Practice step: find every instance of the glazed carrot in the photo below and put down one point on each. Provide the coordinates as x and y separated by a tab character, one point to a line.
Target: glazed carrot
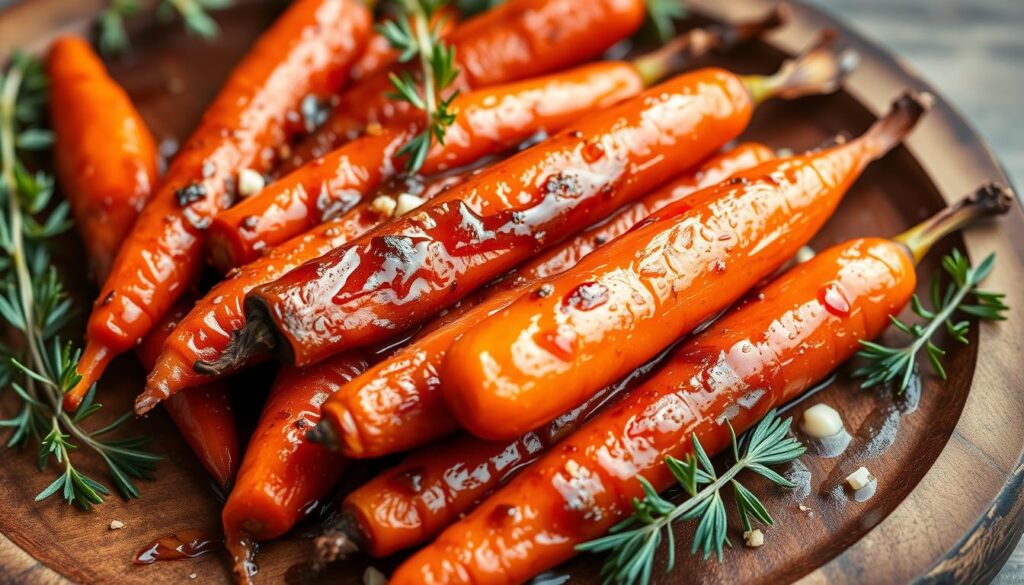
106	160
410	503
203	414
105	157
282	475
567	254
400	274
205	331
760	355
517	40
397	404
578	331
307	51
487	121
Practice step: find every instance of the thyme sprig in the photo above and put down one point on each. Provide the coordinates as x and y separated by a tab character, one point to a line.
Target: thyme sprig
114	39
662	14
889	363
633	543
34	303
413	36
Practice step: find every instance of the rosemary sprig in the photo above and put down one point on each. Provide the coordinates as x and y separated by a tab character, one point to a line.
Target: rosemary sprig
887	363
33	302
633	543
114	39
412	35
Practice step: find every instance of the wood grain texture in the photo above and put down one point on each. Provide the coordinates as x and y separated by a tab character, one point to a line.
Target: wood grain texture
955	441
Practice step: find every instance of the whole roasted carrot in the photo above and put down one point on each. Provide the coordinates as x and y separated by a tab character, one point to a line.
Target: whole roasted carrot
106	160
369	290
762	354
307	51
283	476
105	157
578	331
517	40
205	332
397	404
568	253
203	414
487	121
435	485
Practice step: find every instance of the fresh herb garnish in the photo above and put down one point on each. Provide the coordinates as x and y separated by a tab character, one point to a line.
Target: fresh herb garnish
414	38
114	39
662	14
887	363
33	302
633	543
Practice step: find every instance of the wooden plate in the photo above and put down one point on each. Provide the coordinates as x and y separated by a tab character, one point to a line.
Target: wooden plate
948	456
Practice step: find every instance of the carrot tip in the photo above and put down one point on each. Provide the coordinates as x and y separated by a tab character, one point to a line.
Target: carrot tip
339	541
91	365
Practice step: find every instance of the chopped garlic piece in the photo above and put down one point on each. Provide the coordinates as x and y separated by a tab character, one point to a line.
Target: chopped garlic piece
384	205
250	182
116	525
804	254
821	420
373	576
859	478
754	538
406	203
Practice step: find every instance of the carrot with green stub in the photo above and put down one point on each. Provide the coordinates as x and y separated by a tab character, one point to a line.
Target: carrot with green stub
397	404
371	289
307	51
574	333
763	353
486	122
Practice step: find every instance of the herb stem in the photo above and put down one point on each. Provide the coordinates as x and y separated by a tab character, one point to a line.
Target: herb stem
423	38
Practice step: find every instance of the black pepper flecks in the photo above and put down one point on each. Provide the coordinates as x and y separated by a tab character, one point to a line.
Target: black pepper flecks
190	193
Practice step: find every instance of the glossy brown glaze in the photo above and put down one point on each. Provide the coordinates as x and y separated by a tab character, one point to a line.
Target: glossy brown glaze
369	290
517	40
283	476
397	404
308	50
675	269
205	331
487	122
771	349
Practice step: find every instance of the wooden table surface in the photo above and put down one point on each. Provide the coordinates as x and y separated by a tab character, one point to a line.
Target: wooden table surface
973	52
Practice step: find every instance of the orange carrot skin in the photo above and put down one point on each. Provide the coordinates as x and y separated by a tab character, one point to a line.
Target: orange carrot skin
397	404
761	355
518	40
203	414
308	50
565	255
427	260
609	314
488	121
412	502
205	331
105	157
283	475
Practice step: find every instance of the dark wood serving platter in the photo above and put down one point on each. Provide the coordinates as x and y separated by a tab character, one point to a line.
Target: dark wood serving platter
948	456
